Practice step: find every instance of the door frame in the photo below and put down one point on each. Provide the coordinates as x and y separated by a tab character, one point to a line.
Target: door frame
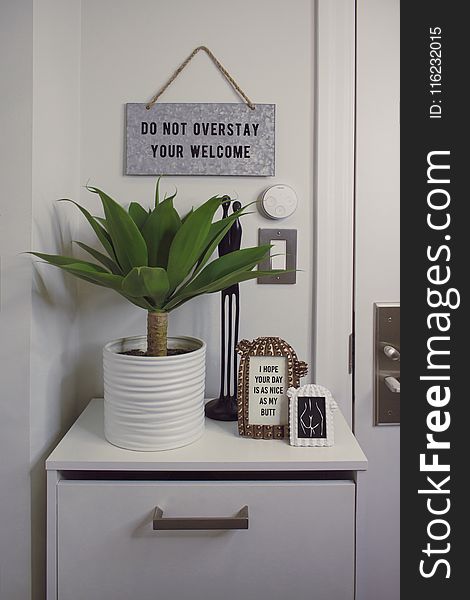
335	80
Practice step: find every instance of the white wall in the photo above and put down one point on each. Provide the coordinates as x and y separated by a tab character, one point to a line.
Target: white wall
129	49
377	280
39	57
56	174
15	295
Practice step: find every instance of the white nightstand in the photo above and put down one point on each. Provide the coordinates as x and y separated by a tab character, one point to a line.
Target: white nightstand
301	505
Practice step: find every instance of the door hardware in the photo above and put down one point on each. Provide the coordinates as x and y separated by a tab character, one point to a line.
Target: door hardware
393	384
391	352
387	364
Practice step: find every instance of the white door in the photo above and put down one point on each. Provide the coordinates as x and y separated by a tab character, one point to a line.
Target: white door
357	139
376	280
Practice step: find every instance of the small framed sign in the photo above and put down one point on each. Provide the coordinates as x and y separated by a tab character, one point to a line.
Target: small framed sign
268	366
310	416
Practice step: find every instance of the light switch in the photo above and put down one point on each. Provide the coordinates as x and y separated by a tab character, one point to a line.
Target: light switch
278	254
284	242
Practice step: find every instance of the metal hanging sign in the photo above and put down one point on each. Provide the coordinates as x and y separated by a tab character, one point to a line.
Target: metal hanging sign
200	139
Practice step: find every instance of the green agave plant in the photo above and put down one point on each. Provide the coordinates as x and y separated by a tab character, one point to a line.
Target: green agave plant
158	260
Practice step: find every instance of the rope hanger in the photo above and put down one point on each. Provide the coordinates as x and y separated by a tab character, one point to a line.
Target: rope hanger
221	68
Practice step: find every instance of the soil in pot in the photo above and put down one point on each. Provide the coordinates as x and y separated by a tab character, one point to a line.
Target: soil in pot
170	352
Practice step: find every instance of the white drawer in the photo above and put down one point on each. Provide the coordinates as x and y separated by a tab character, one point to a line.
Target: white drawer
300	541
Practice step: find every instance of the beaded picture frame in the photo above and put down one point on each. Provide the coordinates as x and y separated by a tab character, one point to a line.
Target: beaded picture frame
268	366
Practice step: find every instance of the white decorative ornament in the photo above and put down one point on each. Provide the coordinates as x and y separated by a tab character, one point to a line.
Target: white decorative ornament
278	202
310	416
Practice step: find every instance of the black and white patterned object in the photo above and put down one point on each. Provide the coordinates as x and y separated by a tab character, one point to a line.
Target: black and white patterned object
310	416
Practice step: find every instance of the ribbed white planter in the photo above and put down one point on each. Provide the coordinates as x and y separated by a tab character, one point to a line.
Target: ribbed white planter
153	403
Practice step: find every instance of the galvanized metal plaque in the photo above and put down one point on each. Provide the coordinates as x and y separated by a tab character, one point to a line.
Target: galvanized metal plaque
200	139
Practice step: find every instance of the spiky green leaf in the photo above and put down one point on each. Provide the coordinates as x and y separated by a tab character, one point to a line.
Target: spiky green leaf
157	192
159	231
138	214
129	245
217	286
102	221
59	260
100	231
102	258
149	282
229	263
92	273
107	280
187	215
82	268
190	242
217	232
140	302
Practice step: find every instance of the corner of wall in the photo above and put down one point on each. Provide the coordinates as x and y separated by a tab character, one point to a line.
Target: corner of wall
55	175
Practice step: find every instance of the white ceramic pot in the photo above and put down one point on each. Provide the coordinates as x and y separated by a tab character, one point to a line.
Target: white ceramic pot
153	403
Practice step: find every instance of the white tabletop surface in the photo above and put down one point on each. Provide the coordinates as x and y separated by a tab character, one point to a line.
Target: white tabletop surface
84	447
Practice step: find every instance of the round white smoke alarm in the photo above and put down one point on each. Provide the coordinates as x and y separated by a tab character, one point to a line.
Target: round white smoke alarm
278	202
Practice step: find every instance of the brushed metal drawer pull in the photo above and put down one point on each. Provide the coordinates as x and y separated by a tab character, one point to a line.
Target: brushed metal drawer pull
239	521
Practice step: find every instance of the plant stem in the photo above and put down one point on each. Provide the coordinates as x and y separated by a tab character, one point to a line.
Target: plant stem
157	333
